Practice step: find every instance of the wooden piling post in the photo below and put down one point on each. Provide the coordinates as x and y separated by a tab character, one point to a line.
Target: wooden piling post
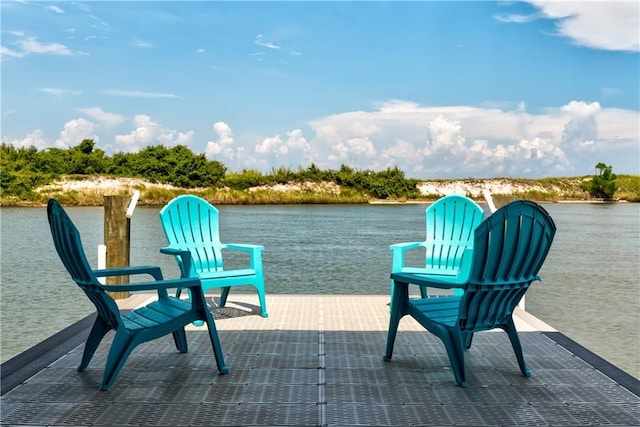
117	234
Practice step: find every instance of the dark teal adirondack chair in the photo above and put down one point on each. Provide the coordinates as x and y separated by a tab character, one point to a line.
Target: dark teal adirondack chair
167	315
450	222
508	251
190	224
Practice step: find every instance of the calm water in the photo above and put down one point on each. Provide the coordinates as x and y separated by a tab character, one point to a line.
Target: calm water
591	288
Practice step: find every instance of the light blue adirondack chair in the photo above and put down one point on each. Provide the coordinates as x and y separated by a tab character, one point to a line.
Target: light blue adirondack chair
191	225
509	249
167	315
450	222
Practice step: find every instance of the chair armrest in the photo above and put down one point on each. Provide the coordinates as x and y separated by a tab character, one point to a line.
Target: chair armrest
152	270
188	282
255	253
397	253
460	280
184	262
243	247
174	251
431	281
404	246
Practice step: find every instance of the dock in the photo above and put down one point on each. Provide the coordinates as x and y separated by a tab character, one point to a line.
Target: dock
317	361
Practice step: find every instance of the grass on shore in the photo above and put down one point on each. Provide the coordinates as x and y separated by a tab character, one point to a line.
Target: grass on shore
541	190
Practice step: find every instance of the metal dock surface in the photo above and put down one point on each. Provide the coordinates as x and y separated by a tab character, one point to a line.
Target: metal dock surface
317	361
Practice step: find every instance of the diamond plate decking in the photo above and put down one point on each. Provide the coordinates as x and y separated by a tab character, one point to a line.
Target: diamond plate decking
317	361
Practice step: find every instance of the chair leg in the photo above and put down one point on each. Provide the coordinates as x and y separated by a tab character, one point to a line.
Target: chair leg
517	347
121	347
224	295
452	340
215	344
391	292
263	301
423	292
196	323
98	331
180	338
391	339
398	300
467	337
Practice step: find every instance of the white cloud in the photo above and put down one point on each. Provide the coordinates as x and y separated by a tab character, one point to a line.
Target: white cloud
148	132
75	131
619	126
5	51
272	144
611	25
260	42
519	19
581	130
54	9
296	141
34	139
72	134
32	45
107	119
224	145
275	145
448	152
402	153
450	142
424	141
184	138
140	94
353	150
444	137
337	136
87	38
609	91
59	91
142	44
275	151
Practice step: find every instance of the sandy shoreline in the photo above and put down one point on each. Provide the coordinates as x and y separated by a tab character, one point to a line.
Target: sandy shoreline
471	187
502	190
426	202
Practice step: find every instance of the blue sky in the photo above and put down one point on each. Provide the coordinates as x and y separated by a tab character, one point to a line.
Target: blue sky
439	89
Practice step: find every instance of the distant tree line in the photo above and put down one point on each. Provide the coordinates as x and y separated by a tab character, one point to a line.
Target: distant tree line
24	169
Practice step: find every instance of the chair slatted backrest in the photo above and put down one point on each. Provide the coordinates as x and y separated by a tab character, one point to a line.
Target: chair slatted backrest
450	223
191	223
68	244
509	249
